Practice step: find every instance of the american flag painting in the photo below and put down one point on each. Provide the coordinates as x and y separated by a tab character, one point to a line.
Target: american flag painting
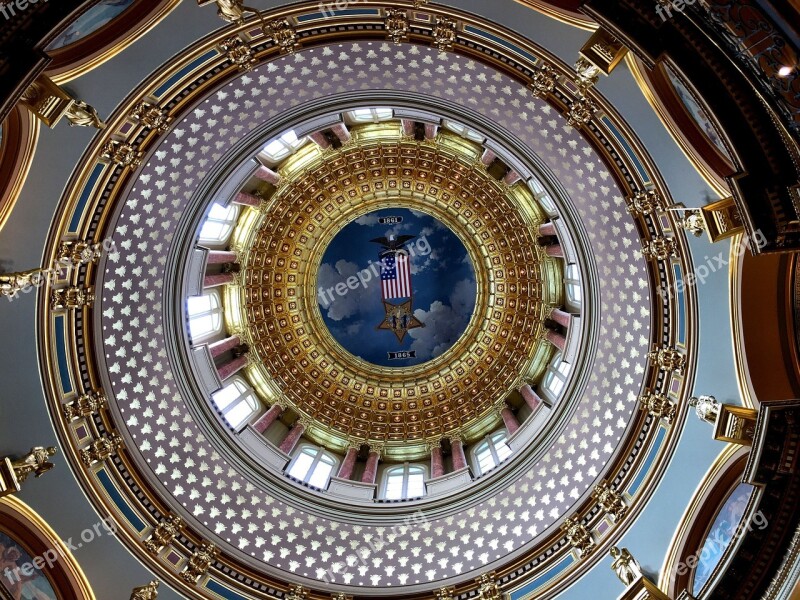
396	276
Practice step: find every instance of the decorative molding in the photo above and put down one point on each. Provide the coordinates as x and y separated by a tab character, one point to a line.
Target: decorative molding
199	562
645	202
73	297
488	589
658	406
101	449
79	252
283	34
397	25
151	116
85	405
578	536
668	359
163	534
238	52
660	248
444	34
610	500
581	112
121	154
544	81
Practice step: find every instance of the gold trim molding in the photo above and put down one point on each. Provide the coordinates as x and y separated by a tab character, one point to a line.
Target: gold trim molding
560	14
17	150
714	181
736	255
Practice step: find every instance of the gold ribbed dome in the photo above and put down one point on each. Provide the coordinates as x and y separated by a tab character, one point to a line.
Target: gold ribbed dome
344	398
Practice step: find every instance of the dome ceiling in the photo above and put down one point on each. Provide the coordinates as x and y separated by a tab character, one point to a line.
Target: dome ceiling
345	396
133	351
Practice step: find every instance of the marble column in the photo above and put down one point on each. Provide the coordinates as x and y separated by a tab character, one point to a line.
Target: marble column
556	251
244	199
509	420
488	157
555	338
217	280
560	317
222	346
531	398
342	132
346	470
291	439
437	462
268	175
459	457
547	229
221	257
320	140
230	369
431	131
408	127
371	470
512	178
268	418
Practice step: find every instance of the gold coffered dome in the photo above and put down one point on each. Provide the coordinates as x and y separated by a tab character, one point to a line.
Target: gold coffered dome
344	398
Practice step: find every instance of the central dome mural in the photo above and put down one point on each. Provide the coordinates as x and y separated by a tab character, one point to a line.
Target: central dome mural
396	287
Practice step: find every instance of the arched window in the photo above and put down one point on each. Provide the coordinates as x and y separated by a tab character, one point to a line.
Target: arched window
370	115
282	147
555	377
463	131
205	315
405	481
237	402
572	281
313	466
218	226
542	196
491	452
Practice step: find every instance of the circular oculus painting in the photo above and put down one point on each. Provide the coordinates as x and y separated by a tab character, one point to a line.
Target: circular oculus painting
396	287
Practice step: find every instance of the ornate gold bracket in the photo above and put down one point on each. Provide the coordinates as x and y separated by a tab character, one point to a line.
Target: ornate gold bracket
49	103
14	472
